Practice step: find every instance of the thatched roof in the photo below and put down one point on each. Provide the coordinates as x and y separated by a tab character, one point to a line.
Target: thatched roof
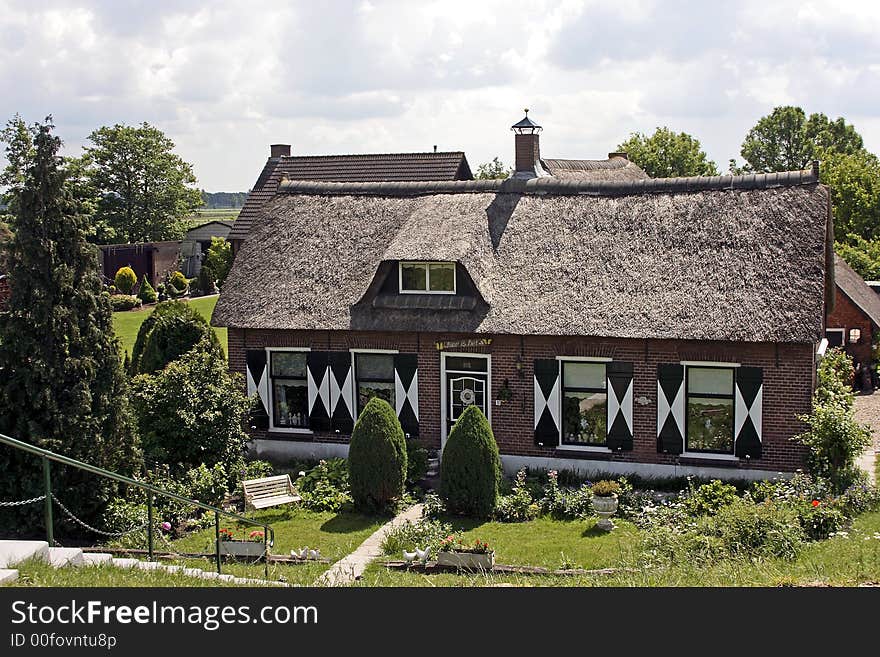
723	258
855	288
452	165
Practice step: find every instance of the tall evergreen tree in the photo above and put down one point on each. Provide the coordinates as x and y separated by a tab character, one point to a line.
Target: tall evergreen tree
62	386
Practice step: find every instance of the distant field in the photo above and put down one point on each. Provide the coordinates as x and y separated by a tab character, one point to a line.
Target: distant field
126	324
200	217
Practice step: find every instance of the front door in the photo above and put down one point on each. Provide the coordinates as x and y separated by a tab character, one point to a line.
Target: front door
466	384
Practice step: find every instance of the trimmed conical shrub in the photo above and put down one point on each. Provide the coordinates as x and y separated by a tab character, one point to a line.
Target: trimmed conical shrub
147	293
376	457
470	470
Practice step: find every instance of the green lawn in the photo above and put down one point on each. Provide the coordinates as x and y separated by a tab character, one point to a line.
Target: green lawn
39	573
126	324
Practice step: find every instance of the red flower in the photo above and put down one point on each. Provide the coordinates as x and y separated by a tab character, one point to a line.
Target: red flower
815	503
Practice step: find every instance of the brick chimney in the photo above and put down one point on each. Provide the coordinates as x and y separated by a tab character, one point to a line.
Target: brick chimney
279	150
527	148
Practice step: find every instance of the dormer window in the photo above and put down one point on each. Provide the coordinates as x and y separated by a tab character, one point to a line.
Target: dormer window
427	278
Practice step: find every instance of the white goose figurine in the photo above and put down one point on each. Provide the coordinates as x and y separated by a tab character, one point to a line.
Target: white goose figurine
409	557
314	554
423	554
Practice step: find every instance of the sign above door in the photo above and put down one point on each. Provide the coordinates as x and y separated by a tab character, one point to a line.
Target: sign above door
459	344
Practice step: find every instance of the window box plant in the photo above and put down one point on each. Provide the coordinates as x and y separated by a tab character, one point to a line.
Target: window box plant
455	553
251	547
605	502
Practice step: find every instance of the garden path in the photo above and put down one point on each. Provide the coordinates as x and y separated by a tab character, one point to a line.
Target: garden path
867	410
350	568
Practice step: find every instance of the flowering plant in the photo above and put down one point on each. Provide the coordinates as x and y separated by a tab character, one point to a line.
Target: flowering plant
226	534
453	543
256	536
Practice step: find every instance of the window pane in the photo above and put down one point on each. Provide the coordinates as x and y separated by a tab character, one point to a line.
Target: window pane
442	277
375	366
289	363
710	381
290	400
584	418
413	276
584	375
366	391
464	364
835	338
710	424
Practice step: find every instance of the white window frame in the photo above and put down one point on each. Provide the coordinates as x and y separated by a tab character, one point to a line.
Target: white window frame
354	379
272	427
427	289
843	336
444	434
709	364
563	447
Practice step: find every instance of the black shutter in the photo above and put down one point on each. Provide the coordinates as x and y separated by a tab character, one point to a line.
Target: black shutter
747	414
341	395
620	405
257	376
670	409
406	392
547	403
318	380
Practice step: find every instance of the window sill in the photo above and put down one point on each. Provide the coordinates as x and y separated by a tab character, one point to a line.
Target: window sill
708	456
583	448
306	432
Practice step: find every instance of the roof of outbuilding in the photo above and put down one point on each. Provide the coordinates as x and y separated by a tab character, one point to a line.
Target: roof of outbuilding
616	167
452	165
721	258
855	288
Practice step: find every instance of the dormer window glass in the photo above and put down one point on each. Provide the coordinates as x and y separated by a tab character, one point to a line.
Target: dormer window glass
427	278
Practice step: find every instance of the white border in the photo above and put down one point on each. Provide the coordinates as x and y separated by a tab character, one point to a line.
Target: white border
585	359
354	381
708	363
427	264
563	447
709	456
843	336
271	409
458	354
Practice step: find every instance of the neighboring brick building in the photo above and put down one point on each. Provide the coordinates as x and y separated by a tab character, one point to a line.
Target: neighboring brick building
856	315
603	321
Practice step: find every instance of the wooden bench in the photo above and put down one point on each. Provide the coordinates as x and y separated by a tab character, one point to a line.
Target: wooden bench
268	491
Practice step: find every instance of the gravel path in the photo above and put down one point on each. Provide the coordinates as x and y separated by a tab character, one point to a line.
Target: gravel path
867	410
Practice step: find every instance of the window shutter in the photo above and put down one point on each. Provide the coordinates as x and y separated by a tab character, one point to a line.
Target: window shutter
318	380
547	403
406	392
747	414
670	409
620	405
340	391
257	376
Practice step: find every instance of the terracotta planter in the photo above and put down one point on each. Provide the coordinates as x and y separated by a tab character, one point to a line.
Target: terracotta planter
242	548
466	560
605	507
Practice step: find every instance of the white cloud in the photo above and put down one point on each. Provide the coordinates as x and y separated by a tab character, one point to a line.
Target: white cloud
224	79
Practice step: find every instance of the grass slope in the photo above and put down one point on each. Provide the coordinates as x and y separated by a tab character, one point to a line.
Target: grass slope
126	324
39	573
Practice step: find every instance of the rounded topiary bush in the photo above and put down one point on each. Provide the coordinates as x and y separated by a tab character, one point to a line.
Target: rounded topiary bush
125	280
172	329
470	470
178	281
376	457
147	294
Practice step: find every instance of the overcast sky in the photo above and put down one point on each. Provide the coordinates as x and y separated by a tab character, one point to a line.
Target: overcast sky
226	79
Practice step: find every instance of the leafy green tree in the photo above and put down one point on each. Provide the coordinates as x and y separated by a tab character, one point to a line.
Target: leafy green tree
62	387
496	169
377	457
788	140
5	240
20	152
668	154
862	255
470	471
144	188
192	412
172	330
219	259
854	179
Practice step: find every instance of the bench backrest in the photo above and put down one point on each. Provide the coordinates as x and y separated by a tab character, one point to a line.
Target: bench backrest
267	486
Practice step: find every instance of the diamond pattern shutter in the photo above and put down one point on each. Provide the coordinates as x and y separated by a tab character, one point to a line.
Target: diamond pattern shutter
257	376
406	392
318	381
620	405
670	409
747	414
547	402
341	392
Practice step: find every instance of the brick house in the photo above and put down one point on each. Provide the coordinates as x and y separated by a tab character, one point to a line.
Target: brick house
603	320
856	314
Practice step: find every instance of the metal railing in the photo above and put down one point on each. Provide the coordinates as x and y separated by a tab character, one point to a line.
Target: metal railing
47	457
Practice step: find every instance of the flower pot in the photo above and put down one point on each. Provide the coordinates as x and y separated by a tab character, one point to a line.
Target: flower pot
250	549
466	560
605	507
